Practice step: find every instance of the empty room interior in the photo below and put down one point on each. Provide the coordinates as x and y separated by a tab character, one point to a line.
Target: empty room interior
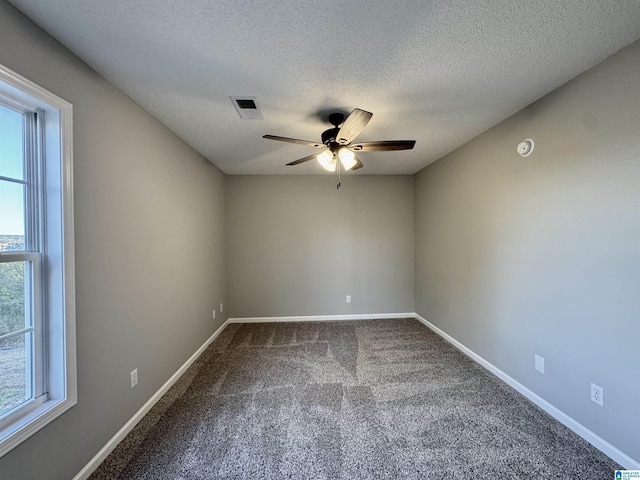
428	268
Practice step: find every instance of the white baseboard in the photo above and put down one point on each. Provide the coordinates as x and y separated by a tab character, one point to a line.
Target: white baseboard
605	447
321	318
104	452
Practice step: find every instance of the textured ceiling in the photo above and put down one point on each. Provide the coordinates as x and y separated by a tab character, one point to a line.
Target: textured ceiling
439	72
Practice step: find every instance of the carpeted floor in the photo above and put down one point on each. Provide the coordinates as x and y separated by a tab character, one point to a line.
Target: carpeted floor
375	399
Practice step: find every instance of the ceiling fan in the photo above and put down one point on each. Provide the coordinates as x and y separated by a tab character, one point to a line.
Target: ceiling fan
337	143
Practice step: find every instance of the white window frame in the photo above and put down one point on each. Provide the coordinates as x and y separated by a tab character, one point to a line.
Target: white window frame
54	301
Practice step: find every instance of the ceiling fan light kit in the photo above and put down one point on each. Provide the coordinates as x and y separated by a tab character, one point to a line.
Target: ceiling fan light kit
347	158
327	160
337	142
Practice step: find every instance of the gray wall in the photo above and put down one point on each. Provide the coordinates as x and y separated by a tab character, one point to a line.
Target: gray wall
516	256
150	253
298	246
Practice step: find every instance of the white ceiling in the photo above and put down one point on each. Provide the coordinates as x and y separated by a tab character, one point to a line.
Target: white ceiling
439	72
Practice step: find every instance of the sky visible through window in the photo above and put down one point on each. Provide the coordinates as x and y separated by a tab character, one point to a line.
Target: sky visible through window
11	166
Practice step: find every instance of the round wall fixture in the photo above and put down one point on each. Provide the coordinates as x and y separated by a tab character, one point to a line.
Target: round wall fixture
525	147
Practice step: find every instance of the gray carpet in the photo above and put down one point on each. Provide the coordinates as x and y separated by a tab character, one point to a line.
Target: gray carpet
376	399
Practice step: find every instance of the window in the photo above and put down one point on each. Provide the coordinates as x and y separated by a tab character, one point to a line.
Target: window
37	294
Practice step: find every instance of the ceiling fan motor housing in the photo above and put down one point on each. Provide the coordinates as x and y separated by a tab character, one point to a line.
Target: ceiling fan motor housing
329	136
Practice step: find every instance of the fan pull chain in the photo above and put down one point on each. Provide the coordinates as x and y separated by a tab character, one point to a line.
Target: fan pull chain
338	165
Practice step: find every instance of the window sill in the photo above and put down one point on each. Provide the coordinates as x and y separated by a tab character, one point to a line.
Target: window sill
33	421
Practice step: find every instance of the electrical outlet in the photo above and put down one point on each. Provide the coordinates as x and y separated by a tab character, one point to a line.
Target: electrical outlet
597	394
134	378
348	298
539	363
213	313
221	307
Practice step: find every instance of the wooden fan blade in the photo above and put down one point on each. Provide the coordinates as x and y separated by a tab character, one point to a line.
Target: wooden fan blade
385	146
357	165
353	125
293	140
305	159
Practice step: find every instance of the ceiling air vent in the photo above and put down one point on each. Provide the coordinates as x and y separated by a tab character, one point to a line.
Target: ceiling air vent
246	107
246	103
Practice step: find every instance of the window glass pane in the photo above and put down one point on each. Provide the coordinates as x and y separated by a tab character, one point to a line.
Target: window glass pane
12	297
15	372
11	125
11	216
